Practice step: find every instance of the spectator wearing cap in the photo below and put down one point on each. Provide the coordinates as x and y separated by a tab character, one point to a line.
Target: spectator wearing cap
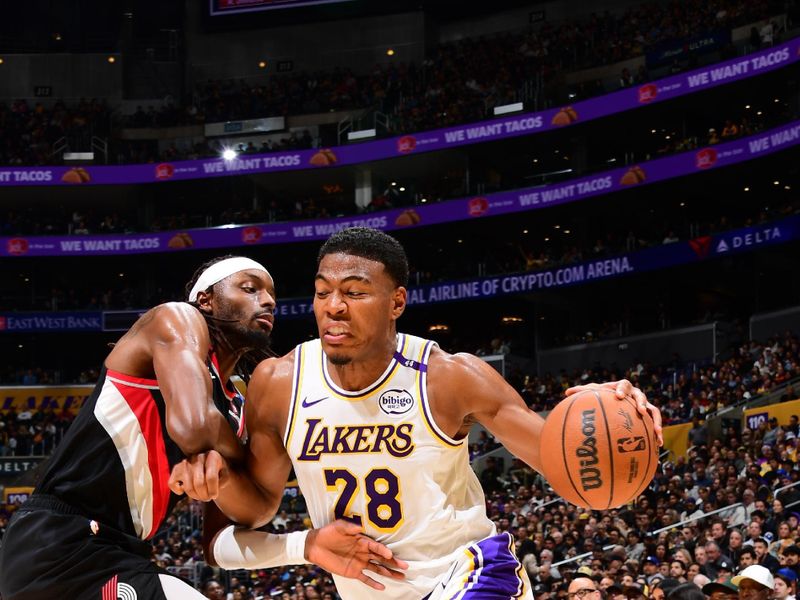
785	584
791	555
763	557
755	583
541	591
650	566
723	590
691	509
724	570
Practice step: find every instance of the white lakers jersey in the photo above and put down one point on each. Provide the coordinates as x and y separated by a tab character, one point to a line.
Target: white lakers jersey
376	457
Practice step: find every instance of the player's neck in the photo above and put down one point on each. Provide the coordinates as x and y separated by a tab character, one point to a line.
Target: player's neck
227	363
360	373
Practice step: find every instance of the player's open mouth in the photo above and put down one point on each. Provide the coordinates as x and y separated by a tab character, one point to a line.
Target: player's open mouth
335	333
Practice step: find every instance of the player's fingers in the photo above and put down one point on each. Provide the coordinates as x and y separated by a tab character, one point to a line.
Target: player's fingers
378	549
349	528
370	582
641	401
176	477
199	479
623	388
580	388
212	479
657	423
387	572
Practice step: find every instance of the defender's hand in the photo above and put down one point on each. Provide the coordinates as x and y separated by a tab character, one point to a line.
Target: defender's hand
625	389
343	549
200	476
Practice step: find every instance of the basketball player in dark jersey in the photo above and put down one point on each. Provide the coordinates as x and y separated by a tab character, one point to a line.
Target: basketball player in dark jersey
164	393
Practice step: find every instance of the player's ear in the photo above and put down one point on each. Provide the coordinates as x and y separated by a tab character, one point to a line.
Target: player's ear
204	301
399	298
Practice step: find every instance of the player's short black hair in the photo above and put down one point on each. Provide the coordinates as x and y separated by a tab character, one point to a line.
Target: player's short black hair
372	244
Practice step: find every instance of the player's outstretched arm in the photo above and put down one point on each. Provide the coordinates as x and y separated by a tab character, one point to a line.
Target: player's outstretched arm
624	389
466	390
339	547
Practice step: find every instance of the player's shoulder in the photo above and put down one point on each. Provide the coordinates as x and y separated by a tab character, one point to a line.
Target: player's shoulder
460	367
171	321
274	368
270	389
173	312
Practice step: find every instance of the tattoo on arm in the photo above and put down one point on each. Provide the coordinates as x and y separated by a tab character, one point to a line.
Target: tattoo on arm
143	321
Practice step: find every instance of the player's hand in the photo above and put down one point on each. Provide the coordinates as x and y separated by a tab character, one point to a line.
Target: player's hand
342	548
200	476
625	389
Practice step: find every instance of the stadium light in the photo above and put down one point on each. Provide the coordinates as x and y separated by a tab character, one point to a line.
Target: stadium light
390	52
111	60
262	64
229	154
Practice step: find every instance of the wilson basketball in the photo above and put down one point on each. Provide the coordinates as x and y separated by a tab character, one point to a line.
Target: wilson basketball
597	451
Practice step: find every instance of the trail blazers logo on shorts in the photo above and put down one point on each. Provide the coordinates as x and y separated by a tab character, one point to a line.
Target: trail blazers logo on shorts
116	590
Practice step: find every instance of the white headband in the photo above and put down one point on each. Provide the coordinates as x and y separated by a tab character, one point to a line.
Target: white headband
221	270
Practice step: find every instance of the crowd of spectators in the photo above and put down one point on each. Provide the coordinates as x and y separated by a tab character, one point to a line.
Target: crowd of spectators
457	82
28	133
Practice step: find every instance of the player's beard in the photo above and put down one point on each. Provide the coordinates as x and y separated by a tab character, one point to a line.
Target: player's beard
339	359
238	335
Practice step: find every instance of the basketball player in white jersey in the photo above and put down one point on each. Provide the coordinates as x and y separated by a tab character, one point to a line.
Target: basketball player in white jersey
375	424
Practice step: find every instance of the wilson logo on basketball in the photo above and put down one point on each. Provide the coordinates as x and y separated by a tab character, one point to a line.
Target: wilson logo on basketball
395	402
630	444
587	452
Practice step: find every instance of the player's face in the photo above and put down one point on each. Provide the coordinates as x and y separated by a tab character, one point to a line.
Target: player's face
244	303
355	304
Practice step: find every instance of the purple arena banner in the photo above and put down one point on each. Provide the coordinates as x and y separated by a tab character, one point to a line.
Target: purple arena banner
501	203
658	257
662	90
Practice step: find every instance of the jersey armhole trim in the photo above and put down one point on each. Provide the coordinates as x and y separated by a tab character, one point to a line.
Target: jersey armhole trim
299	359
427	414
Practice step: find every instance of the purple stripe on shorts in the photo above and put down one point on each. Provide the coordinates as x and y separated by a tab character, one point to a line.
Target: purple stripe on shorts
499	576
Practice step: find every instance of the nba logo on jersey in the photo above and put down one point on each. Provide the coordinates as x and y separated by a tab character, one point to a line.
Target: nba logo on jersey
396	402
